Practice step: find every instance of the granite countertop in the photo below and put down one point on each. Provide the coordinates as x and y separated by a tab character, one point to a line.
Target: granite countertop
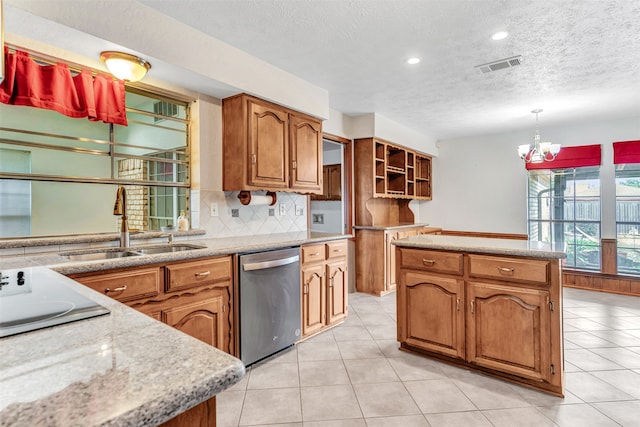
482	245
213	247
390	227
123	368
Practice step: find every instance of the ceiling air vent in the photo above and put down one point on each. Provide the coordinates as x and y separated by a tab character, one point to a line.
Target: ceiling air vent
499	64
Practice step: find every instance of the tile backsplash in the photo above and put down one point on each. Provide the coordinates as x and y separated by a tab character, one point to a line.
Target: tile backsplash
252	219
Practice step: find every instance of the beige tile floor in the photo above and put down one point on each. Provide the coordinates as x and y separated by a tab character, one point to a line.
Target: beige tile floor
354	375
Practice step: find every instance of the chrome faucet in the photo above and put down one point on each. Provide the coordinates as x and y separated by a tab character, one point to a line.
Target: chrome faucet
120	208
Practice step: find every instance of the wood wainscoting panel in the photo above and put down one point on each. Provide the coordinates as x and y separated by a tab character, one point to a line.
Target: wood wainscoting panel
609	254
601	282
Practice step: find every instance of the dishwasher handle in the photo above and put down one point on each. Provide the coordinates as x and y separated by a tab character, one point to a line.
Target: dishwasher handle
270	264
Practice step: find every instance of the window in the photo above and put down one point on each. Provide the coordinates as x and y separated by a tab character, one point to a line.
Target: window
76	166
15	196
628	218
564	209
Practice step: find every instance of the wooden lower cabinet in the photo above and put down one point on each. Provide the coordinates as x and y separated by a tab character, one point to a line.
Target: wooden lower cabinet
337	290
496	314
434	319
195	297
325	286
203	320
201	415
376	257
509	330
313	299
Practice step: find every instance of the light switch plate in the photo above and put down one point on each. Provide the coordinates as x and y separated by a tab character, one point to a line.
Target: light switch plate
283	209
299	210
214	209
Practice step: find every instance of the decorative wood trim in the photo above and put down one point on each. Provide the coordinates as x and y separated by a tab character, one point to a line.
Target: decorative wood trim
486	235
335	138
347	169
609	253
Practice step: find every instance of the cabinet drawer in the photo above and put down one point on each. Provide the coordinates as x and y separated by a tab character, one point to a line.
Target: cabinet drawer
126	285
509	269
336	249
190	274
436	261
313	253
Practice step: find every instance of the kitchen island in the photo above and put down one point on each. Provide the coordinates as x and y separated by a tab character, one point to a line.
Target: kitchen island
122	368
490	305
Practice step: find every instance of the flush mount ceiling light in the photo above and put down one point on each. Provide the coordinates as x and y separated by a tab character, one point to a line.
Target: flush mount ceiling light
125	66
538	152
500	35
413	61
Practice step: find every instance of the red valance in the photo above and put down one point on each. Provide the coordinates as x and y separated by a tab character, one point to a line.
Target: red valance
626	152
572	157
52	87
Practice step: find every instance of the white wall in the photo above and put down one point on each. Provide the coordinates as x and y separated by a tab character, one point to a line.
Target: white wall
375	125
479	183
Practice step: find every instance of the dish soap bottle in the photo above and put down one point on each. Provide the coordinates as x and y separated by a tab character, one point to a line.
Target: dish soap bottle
183	222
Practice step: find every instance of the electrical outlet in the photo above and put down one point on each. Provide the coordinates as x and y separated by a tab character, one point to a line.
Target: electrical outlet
214	209
283	209
299	210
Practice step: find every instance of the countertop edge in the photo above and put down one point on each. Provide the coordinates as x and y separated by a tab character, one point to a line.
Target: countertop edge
214	247
479	247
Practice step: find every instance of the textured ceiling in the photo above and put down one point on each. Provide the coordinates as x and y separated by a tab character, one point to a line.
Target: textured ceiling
581	59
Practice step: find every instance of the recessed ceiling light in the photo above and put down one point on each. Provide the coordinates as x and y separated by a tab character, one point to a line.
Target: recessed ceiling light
499	35
413	61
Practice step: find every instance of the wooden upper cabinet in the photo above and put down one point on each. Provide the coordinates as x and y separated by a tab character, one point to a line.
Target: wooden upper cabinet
306	153
268	147
331	183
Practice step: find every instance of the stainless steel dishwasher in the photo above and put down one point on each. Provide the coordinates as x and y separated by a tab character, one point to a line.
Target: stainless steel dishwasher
270	316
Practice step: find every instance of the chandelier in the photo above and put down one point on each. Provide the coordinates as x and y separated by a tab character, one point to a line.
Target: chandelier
538	152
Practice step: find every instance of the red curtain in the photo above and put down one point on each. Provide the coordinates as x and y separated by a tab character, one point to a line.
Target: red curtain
52	87
626	152
572	157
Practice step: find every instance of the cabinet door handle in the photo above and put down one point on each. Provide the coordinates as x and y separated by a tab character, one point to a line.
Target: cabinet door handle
457	304
505	270
253	159
337	250
294	164
203	274
315	254
305	289
472	307
120	289
428	262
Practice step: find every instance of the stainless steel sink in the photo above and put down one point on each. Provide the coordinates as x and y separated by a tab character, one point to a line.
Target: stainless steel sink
99	254
161	249
111	253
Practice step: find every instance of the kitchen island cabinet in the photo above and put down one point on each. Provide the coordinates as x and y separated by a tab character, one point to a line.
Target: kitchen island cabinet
492	305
